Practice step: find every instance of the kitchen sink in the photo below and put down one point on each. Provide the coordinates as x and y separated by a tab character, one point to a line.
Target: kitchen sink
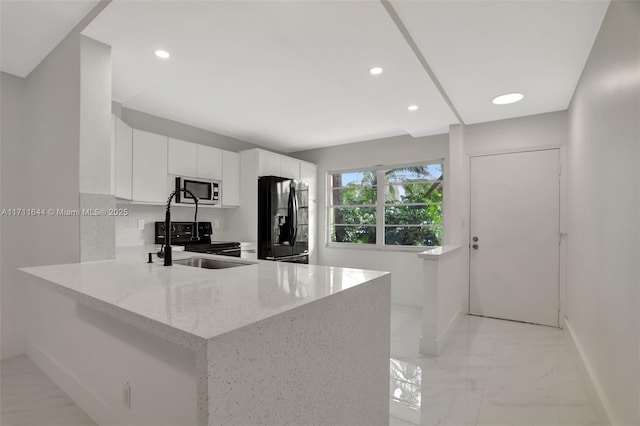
203	262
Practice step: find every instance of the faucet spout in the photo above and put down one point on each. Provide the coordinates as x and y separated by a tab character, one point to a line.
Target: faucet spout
168	260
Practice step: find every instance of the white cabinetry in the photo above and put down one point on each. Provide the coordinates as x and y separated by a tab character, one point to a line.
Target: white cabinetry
268	163
123	157
149	175
145	164
272	164
183	158
289	167
230	179
210	163
192	160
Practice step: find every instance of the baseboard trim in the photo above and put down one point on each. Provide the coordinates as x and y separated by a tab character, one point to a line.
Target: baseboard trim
431	346
594	389
91	403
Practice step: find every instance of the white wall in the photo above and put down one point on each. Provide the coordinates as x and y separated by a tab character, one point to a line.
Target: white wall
41	123
95	117
11	196
44	169
603	214
97	233
524	133
405	267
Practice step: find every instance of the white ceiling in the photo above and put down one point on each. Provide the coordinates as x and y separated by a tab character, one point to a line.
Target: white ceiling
289	75
30	29
482	49
293	75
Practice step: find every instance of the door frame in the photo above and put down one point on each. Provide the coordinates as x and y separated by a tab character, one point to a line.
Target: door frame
562	279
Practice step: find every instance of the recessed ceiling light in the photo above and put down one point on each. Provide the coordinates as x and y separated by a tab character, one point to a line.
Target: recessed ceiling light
508	98
162	54
412	107
375	71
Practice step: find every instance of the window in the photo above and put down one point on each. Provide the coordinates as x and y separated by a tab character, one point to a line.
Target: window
353	202
409	213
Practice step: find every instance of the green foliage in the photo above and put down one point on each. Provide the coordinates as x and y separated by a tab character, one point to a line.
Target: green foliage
413	196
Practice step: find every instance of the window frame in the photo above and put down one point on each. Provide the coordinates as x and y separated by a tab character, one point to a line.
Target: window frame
380	205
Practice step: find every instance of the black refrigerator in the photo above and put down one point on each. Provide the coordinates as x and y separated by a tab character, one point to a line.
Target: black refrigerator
283	219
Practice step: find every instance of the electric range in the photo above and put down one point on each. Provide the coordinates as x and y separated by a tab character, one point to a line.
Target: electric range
184	234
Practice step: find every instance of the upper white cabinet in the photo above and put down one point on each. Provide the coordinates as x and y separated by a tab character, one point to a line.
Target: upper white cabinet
145	164
289	167
272	164
210	163
149	167
193	160
268	163
231	179
123	158
183	158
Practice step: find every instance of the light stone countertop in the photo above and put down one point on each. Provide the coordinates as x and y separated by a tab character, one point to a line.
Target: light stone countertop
186	304
438	252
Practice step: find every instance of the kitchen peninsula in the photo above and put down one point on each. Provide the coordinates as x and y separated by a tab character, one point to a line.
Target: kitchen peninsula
261	343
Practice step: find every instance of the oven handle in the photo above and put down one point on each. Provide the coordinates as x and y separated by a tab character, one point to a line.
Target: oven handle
285	258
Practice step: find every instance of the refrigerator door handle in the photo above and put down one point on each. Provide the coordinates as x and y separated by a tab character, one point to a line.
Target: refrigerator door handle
290	211
294	230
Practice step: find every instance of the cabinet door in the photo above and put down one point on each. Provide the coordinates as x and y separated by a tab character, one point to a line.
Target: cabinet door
230	178
123	158
183	158
209	162
290	167
149	167
268	164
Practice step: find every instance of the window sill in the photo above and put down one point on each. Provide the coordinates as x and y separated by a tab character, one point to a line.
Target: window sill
372	247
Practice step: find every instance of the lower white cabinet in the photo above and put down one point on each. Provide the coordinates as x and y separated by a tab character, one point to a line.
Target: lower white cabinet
230	179
149	180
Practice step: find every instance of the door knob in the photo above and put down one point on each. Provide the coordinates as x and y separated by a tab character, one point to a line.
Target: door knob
475	246
475	239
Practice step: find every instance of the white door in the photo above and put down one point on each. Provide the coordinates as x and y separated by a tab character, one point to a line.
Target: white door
515	231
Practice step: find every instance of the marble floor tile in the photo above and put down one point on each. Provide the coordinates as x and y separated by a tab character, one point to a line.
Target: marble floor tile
30	398
491	372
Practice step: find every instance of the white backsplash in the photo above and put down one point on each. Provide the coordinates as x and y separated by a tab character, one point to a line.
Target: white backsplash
128	234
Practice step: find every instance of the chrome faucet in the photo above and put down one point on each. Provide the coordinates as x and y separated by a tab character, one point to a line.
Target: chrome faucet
168	261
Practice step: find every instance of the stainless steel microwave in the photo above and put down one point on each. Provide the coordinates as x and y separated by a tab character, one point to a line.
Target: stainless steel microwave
207	191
